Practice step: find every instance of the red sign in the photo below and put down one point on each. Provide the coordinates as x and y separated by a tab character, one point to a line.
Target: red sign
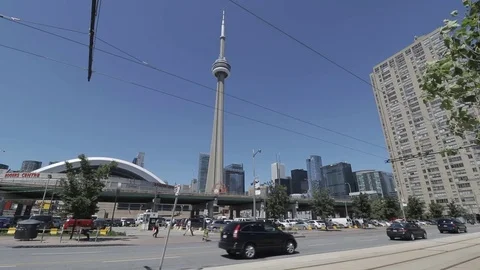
22	175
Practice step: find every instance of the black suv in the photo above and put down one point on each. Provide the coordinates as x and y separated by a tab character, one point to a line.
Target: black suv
451	225
246	238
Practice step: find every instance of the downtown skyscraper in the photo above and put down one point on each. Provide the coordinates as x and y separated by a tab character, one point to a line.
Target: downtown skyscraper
314	172
413	128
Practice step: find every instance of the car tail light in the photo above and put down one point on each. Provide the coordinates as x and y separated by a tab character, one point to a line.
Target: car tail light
235	231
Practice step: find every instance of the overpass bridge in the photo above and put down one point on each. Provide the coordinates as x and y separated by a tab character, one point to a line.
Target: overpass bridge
145	193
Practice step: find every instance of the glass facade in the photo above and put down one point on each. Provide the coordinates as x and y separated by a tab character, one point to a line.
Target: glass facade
30	165
298	178
380	182
338	177
202	171
314	171
235	179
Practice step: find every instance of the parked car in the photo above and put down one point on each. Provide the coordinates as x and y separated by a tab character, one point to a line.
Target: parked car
300	225
406	230
248	238
216	225
6	222
127	222
451	225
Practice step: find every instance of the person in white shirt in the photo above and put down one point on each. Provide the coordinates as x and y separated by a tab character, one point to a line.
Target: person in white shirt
188	227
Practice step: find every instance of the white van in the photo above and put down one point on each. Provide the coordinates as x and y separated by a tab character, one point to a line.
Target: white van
343	221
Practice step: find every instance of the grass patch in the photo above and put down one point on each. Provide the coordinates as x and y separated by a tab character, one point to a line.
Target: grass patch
114	233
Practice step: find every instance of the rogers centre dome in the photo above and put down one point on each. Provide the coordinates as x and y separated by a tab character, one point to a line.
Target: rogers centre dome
124	169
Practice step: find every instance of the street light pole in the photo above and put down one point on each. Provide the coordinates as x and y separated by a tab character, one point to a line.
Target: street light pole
45	193
117	190
349	191
254	153
177	192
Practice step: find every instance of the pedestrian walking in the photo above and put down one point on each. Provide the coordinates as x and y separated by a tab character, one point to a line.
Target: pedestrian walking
155	230
188	228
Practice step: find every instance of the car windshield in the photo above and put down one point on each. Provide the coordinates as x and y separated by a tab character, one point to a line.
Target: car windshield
398	225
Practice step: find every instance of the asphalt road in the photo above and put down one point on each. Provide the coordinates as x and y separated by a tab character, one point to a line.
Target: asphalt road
184	255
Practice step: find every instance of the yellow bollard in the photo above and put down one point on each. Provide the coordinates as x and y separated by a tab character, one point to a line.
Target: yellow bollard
11	230
323	228
334	227
53	231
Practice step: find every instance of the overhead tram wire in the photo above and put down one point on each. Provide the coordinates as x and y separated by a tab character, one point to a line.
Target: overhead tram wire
310	48
138	61
193	101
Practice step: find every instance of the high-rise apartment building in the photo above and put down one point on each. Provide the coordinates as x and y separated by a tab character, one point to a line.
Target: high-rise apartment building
412	128
203	160
234	179
314	171
278	170
380	182
30	165
339	180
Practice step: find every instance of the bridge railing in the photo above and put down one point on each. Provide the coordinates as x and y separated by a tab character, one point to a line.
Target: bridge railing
146	188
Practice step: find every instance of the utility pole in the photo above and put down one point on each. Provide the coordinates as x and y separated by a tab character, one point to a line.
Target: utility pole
254	153
45	193
93	16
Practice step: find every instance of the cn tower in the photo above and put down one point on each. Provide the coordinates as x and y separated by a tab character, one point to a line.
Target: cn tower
221	70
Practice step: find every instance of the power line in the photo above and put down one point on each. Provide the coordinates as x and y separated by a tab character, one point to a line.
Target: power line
310	48
148	65
300	42
192	101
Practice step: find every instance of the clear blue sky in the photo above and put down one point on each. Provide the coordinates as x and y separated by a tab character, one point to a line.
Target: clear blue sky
50	112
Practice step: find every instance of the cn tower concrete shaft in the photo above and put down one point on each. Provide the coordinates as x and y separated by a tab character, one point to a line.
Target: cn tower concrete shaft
221	70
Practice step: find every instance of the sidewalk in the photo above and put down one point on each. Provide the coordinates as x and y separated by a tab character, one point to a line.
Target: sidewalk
453	253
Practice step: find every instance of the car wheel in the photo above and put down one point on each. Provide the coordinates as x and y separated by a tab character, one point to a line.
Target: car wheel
465	230
392	238
249	251
290	247
441	231
412	237
424	235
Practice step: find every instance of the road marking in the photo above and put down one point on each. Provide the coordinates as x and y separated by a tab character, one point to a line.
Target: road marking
369	240
140	259
322	244
67	253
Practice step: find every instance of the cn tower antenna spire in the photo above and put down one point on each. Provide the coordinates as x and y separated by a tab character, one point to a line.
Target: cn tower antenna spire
222	38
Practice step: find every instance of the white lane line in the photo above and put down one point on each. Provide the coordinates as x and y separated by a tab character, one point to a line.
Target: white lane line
321	244
369	240
67	253
140	259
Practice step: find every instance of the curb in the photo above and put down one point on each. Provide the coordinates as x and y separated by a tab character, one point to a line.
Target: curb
74	245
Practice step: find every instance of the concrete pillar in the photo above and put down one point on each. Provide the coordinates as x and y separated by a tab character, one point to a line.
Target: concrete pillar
230	213
237	212
210	209
197	212
294	212
192	213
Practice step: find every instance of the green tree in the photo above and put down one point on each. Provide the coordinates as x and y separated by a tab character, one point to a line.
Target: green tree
361	206
392	207
435	210
455	210
80	191
323	204
455	77
415	208
378	207
277	201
